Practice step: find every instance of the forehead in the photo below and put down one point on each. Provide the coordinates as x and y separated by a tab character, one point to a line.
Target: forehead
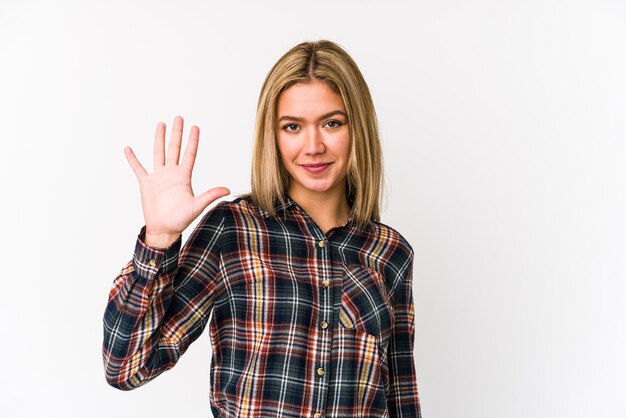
311	98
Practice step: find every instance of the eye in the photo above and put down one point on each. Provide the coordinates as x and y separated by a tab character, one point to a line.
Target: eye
333	124
290	127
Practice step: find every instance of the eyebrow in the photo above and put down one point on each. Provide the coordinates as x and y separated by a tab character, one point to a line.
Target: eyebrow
324	116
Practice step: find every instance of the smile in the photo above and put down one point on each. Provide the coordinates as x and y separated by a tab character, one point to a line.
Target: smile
315	168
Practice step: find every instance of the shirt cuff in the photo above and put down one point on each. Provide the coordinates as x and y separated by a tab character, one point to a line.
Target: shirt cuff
149	261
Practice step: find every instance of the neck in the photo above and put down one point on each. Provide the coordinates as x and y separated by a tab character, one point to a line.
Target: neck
328	209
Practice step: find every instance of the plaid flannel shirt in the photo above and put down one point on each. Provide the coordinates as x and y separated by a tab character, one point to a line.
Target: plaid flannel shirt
304	324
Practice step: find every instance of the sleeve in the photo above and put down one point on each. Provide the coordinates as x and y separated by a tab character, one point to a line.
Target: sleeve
159	304
403	398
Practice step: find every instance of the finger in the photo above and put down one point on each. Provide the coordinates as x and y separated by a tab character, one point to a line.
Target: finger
209	196
159	145
140	172
192	149
173	151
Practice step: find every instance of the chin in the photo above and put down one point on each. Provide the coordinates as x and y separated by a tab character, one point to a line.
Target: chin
317	187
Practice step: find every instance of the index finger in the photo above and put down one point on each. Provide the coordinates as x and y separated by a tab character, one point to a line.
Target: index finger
192	148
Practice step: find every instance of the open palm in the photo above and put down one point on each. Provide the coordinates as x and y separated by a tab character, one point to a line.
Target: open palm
169	204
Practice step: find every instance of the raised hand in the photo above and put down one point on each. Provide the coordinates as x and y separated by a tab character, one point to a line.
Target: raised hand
169	204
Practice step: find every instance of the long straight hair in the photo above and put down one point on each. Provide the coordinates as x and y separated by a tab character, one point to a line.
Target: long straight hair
327	62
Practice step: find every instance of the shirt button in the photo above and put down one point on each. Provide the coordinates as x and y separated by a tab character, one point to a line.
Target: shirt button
321	243
324	325
325	282
317	415
152	262
321	371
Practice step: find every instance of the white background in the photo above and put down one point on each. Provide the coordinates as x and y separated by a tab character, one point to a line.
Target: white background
503	126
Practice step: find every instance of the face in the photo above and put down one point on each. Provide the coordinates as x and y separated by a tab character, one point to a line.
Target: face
313	139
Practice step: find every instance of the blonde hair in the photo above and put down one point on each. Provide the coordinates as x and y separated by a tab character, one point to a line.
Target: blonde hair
327	62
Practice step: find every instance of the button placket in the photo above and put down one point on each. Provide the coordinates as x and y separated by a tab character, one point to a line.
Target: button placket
325	312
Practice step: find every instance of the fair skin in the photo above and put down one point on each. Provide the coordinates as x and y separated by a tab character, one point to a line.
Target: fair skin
314	144
168	201
313	130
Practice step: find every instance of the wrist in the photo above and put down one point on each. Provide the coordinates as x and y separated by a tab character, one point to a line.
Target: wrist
163	240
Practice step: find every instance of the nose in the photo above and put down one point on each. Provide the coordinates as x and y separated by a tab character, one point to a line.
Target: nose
314	142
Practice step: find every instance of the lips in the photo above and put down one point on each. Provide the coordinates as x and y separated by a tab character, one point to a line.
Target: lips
316	167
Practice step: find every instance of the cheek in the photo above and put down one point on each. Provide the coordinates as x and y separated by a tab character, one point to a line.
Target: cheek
343	147
286	150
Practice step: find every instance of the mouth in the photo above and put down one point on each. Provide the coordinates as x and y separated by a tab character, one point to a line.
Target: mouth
315	168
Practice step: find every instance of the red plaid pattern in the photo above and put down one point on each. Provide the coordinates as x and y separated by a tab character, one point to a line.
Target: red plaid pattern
305	324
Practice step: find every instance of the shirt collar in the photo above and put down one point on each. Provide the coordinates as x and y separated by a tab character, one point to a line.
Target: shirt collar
281	207
278	206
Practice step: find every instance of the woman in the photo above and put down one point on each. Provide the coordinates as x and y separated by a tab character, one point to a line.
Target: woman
310	294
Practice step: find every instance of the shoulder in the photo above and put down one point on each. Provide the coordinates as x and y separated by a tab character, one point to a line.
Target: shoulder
393	239
227	212
396	252
242	207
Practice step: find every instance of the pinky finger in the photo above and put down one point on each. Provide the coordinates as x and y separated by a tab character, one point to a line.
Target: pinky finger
140	172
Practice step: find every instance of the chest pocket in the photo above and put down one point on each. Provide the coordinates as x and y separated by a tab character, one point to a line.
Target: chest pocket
365	304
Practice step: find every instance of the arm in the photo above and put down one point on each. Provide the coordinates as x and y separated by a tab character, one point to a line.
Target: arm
159	304
403	399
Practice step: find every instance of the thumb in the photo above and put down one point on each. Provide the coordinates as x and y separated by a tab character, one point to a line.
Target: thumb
206	198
